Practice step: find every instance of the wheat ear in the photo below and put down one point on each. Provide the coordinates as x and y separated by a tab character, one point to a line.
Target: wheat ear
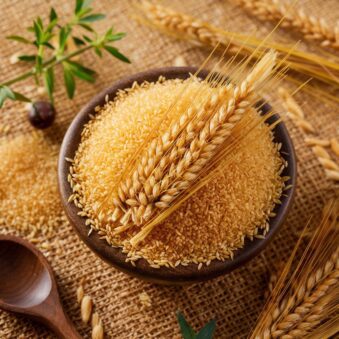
305	295
178	177
311	27
304	303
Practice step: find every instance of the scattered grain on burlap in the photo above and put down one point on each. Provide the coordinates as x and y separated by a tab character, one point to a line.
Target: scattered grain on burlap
234	300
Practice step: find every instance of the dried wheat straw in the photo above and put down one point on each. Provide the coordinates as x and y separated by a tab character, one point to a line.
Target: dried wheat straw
311	27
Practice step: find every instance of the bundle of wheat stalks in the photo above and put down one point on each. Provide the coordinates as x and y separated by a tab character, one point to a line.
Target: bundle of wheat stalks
305	300
186	27
173	162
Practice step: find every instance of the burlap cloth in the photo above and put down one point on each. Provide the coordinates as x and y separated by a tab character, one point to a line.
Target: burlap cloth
234	300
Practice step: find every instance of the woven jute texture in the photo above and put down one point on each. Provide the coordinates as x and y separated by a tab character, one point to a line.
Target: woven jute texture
234	300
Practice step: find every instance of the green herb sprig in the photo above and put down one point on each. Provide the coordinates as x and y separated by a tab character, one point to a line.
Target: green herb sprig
187	331
50	54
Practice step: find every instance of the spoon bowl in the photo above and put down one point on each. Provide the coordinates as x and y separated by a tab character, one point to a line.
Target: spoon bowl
26	290
27	286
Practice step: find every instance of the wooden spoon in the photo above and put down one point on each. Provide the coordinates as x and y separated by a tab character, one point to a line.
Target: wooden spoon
27	286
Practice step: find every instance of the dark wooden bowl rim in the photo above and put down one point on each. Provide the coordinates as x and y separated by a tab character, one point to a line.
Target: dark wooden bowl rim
114	256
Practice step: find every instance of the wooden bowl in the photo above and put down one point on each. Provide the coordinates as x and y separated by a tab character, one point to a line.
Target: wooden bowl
114	256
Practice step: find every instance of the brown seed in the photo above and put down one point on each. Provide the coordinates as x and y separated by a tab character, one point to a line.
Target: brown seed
98	331
335	146
95	319
86	308
80	293
316	141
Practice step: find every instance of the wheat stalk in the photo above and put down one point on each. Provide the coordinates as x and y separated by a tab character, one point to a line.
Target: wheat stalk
193	147
186	27
296	113
311	27
304	296
297	310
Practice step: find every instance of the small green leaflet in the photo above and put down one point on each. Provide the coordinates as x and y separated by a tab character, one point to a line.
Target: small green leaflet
21	97
188	333
87	27
114	51
110	36
7	93
53	16
78	41
92	18
63	35
26	57
69	80
81	71
19	39
186	330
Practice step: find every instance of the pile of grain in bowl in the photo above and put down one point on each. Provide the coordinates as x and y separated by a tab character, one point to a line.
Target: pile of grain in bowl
216	219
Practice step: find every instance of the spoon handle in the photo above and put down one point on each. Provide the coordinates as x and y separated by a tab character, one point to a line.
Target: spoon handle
63	327
53	315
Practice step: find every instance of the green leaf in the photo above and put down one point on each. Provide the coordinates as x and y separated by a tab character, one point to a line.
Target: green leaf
49	82
6	93
24	57
19	39
87	27
39	22
207	331
87	38
115	52
63	35
116	36
69	81
92	18
53	15
98	52
21	97
76	65
78	41
83	12
48	45
81	71
38	32
78	6
186	330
